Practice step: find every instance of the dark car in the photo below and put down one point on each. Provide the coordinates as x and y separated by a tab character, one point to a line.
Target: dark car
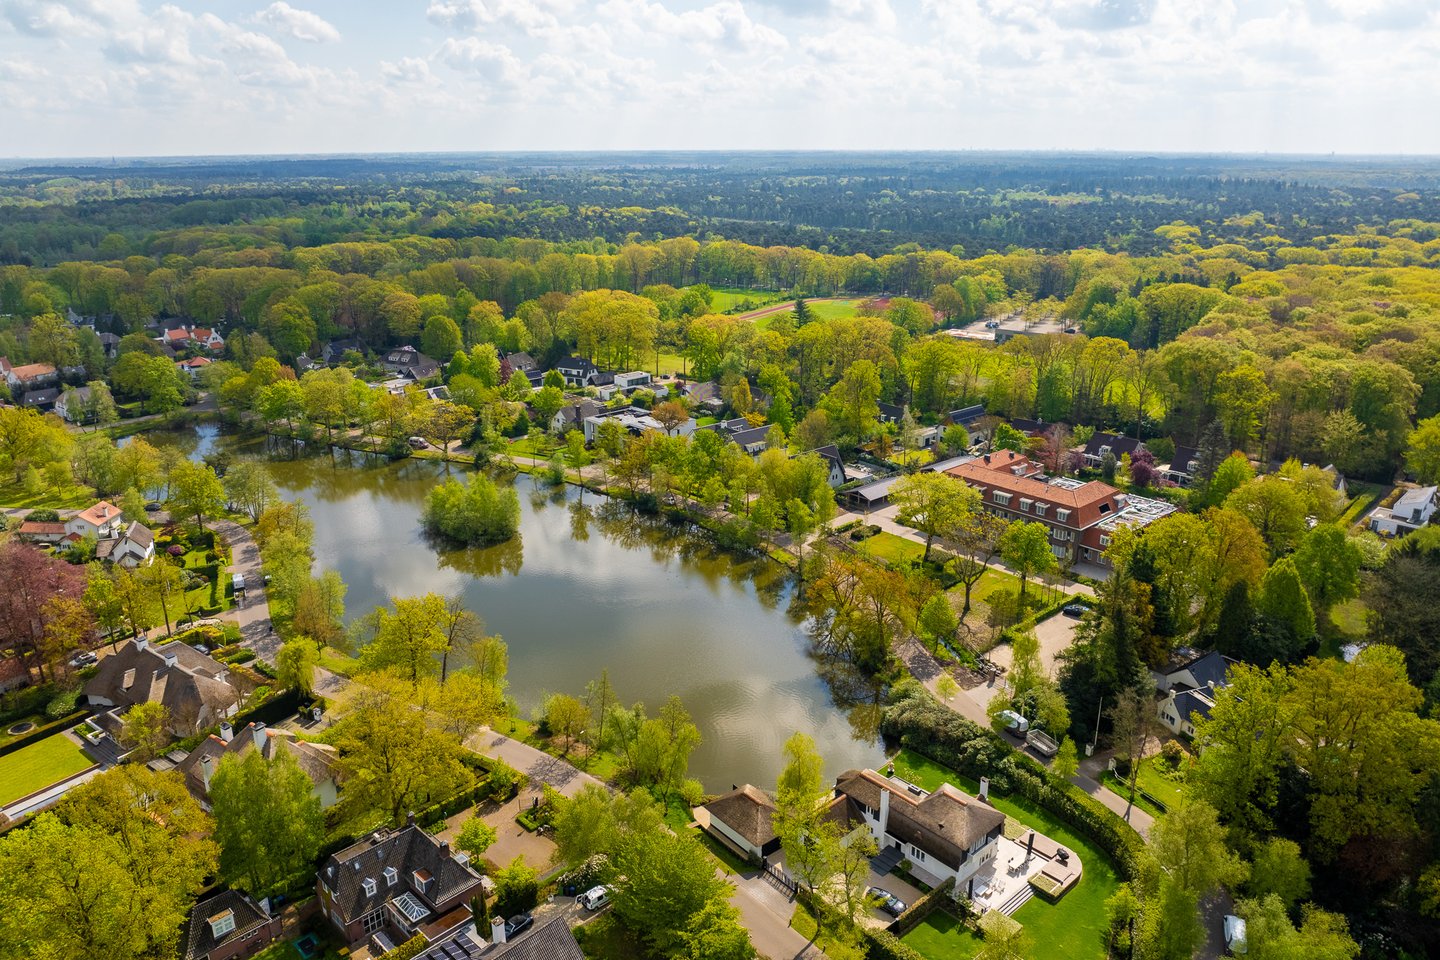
1075	610
152	506
517	925
886	901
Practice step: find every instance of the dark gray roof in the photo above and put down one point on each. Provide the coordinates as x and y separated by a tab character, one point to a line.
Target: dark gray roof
1192	705
41	398
576	363
520	361
891	411
408	850
966	415
1119	446
946	824
1030	426
1209	670
201	939
551	941
829	453
1183	455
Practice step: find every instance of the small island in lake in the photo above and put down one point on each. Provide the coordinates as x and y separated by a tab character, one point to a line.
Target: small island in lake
476	511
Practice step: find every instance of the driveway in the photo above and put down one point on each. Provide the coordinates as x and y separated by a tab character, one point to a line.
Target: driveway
1055	635
511	839
765	911
538	765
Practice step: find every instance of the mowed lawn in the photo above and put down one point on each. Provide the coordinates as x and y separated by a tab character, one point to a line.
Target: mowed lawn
37	766
942	937
1072	929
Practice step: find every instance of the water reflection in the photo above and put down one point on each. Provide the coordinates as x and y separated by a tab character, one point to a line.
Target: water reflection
588	586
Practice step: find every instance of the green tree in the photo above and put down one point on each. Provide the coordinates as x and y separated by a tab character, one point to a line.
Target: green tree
476	511
517	888
669	880
103	874
295	665
196	490
715	933
1279	869
1283	599
1025	548
1067	762
800	785
391	760
1275	508
1329	566
146	730
853	403
937	620
1270	935
934	504
249	489
268	822
441	337
1231	474
566	717
1422	456
475	837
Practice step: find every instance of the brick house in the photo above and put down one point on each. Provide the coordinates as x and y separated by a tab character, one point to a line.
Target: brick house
229	925
394	883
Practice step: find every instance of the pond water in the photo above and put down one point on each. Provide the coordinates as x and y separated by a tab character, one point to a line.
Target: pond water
588	586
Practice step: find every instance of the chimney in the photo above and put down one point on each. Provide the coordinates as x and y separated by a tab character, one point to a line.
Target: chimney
259	729
410	819
207	770
985	789
497	931
227	732
444	848
884	810
142	643
987	458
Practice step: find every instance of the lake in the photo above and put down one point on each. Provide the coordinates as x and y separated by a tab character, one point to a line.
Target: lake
584	588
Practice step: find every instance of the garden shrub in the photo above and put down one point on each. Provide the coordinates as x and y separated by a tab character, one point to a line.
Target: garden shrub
62	704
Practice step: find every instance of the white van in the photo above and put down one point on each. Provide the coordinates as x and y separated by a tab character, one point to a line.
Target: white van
1014	723
1235	935
594	898
238	583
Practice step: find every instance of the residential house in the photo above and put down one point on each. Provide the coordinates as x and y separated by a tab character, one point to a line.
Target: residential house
753	440
193	366
316	759
1412	510
134	547
891	412
101	520
207	338
628	383
1031	428
229	925
743	820
110	343
409	362
43	399
72	406
1117	446
635	420
579	372
945	834
573	415
13	674
1081	516
195	689
1183	466
969	418
519	361
551	940
28	376
42	531
333	352
705	394
388	886
831	455
188	336
1187	686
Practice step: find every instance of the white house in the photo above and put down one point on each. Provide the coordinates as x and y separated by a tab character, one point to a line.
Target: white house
635	420
1413	510
743	819
135	547
1188	685
945	834
831	455
71	404
101	521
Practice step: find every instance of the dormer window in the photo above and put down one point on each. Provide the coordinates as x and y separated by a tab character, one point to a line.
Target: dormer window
1062	515
222	923
369	885
1041	509
392	876
1025	504
1002	498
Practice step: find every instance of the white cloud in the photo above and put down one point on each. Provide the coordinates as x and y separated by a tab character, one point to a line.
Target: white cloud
300	24
407	70
725	25
530	16
494	62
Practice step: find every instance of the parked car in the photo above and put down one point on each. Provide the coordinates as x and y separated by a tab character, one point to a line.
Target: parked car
886	901
1235	935
517	925
595	897
1015	723
84	659
153	506
992	324
418	443
1074	609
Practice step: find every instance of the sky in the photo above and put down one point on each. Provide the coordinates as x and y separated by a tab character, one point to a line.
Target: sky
97	78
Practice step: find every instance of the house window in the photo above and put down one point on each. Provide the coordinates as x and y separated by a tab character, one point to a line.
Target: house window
1025	504
1041	508
1104	540
369	886
1062	515
916	852
1002	498
392	876
373	921
222	923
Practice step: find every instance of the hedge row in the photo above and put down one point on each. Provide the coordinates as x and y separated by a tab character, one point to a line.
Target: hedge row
883	945
445	809
43	731
922	908
407	949
925	726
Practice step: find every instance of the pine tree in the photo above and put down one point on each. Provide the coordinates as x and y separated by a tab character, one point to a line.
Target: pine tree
803	313
1283	598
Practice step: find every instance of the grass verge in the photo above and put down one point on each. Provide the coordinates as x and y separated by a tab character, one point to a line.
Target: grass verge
39	765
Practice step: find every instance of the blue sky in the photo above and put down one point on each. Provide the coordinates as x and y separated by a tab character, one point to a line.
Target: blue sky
134	78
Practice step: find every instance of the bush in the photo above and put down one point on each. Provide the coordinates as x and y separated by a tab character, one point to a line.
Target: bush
407	949
517	889
43	515
473	512
736	534
883	945
1173	753
62	704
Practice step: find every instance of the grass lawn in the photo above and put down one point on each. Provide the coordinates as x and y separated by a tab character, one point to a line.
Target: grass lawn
539	447
74	495
39	719
668	365
730	862
605	939
339	663
942	937
1072	929
725	299
37	766
1121	788
917	458
887	546
834	309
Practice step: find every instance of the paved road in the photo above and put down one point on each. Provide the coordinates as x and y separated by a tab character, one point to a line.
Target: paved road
537	764
768	920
